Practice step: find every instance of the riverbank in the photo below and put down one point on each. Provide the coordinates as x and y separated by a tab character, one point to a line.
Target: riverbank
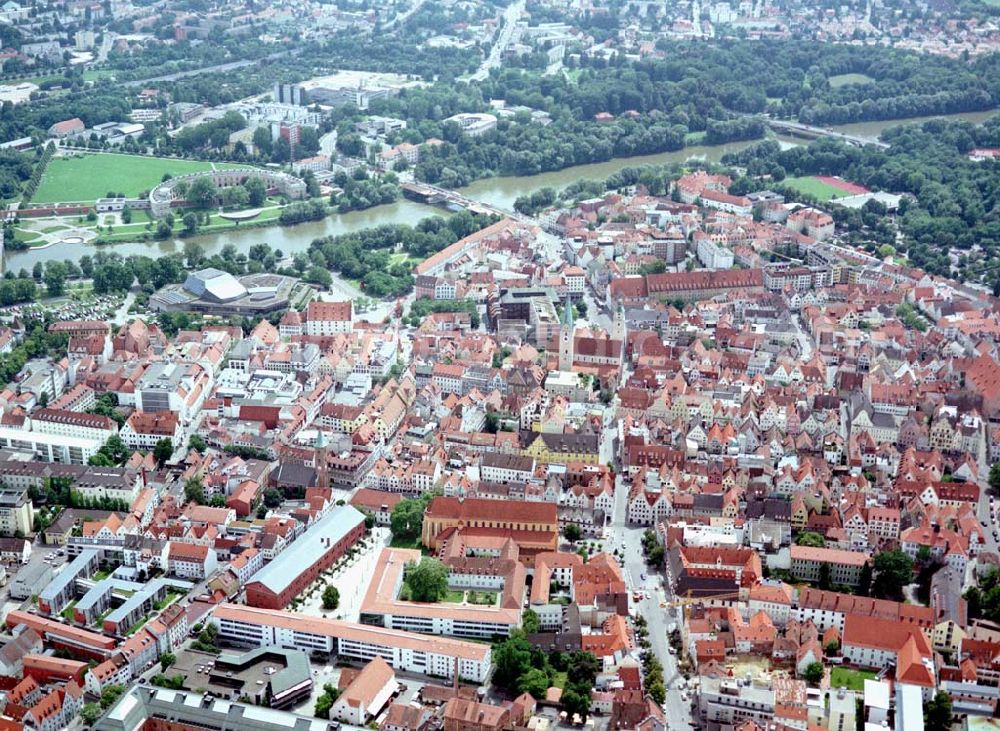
498	191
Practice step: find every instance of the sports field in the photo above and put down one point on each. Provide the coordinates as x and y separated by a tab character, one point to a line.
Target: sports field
91	176
844	79
823	188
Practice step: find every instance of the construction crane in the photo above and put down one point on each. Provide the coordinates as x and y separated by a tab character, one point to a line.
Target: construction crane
689	601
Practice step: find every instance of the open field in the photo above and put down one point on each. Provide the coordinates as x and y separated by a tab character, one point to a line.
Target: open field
841	677
819	189
87	177
844	79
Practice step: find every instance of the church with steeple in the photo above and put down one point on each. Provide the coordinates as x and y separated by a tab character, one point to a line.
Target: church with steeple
591	350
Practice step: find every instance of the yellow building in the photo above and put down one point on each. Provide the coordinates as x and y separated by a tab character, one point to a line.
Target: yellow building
550	448
947	637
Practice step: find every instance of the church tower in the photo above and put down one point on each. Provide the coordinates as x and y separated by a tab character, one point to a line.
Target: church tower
566	338
322	467
618	327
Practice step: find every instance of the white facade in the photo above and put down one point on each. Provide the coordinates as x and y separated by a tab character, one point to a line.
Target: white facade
713	255
403	651
76	431
50	448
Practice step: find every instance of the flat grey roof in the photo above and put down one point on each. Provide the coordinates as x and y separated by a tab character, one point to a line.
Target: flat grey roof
68	574
309	548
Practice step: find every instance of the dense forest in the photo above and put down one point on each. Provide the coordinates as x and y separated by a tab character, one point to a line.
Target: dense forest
956	202
657	104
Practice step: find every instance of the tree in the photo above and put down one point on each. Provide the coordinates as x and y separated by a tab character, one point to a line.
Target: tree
256	191
325	701
90	713
331	598
937	712
813	540
832	647
166	660
194	491
407	519
572	532
196	443
813	673
535	682
994	478
865	580
190	222
194	254
201	194
111	694
163	450
529	621
512	659
892	570
428	580
824	576
126	215
55	279
262	142
576	703
657	692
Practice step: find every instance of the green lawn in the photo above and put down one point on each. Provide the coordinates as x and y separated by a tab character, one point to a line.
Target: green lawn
67	613
91	176
814	187
694	138
486	598
401	542
844	79
850	679
28	237
138	625
169	599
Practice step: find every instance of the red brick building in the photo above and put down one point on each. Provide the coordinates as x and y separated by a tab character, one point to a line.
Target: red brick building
296	567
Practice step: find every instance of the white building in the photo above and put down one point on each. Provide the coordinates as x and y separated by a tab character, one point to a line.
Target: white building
404	651
142	431
328	318
50	447
474	124
59	422
713	255
367	694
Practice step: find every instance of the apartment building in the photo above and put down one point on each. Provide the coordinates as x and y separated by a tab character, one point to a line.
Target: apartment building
143	430
845	566
15	512
404	651
50	447
61	422
504	579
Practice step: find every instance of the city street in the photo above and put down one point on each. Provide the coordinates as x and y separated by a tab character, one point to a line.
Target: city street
495	57
658	619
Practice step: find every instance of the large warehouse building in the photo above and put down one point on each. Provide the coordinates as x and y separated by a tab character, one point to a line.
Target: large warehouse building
316	550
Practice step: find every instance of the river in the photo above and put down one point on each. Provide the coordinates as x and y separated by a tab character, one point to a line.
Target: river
496	191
